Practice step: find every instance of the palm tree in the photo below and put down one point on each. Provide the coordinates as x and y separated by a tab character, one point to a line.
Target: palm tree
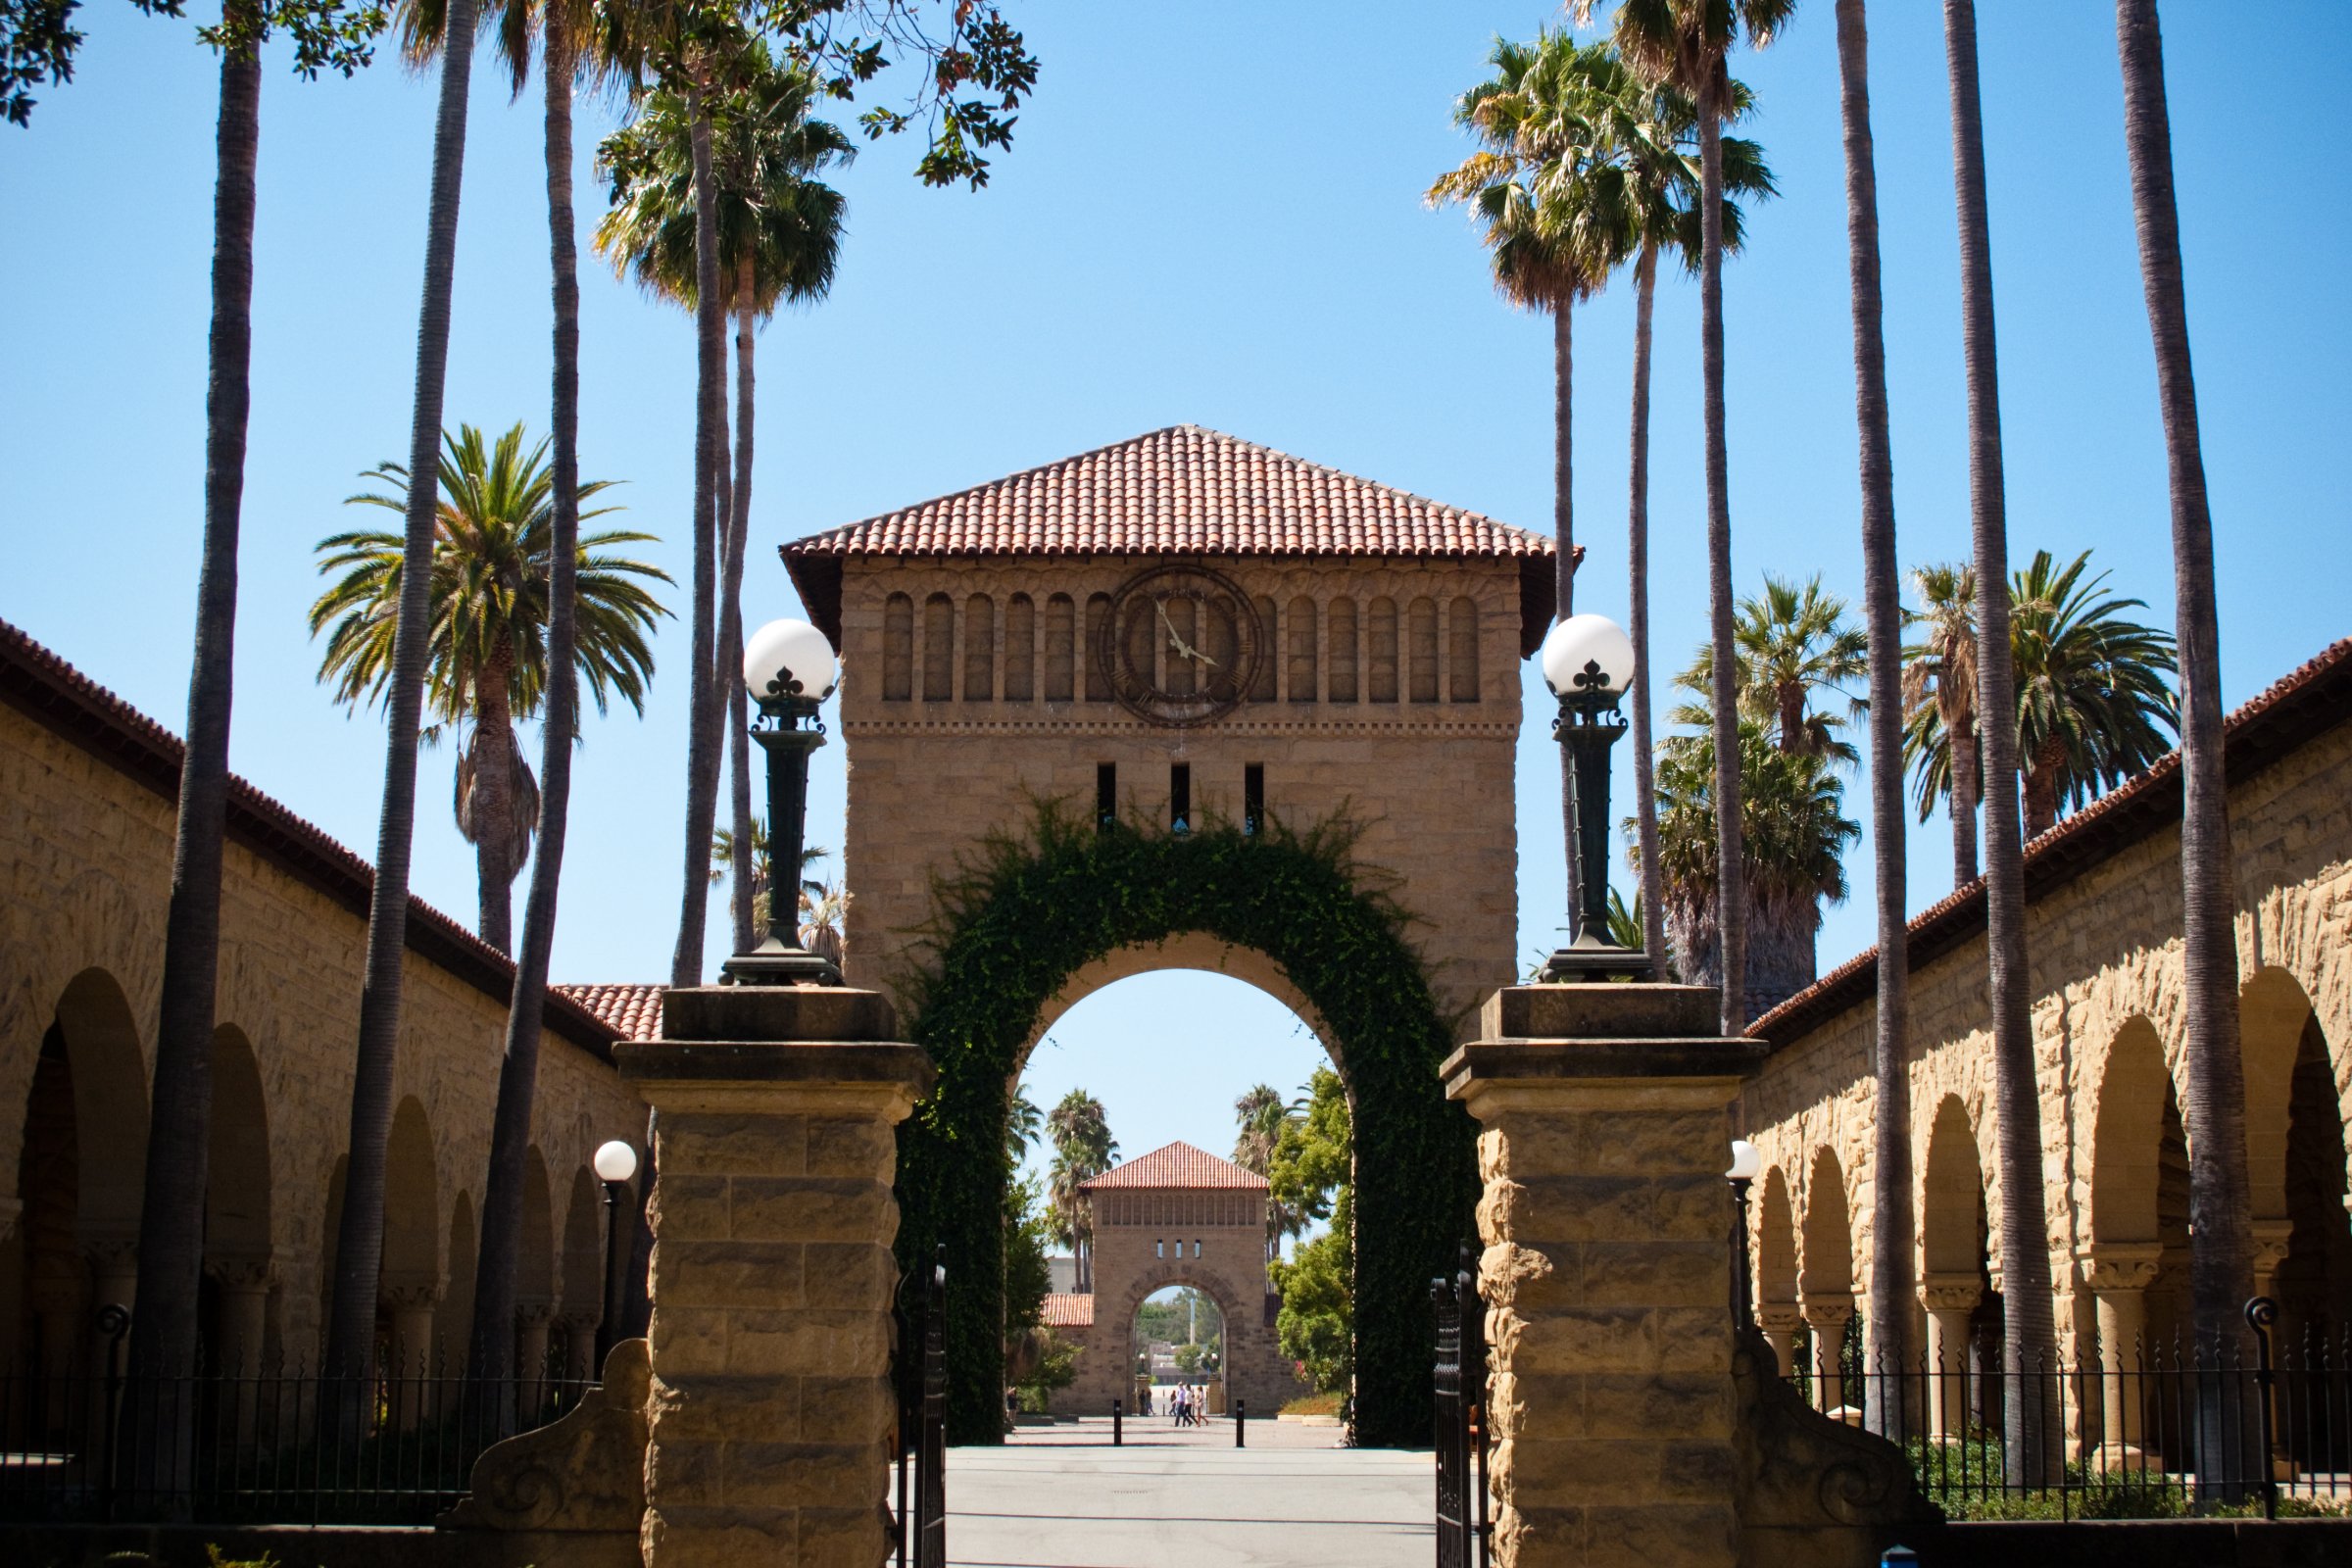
1939	706
163	1336
2091	700
492	604
825	909
1536	120
780	239
1686	43
359	1248
2092	705
1796	838
1083	1149
2221	1272
1023	1123
1791	645
1891	1278
1662	182
2029	1337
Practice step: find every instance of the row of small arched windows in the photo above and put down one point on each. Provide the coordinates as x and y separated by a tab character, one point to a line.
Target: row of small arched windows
1376	652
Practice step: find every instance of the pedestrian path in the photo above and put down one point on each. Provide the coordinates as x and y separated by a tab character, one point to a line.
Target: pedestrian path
1061	1497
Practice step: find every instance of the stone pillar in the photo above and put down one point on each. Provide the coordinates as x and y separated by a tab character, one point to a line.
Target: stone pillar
531	1321
1827	1315
1604	1128
2118	1274
1950	1300
244	1296
2270	1237
410	1303
771	1411
579	1347
1778	1321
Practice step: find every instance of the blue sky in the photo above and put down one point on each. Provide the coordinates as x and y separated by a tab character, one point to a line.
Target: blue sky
1210	214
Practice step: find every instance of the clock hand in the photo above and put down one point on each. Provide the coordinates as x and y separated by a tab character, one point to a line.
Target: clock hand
1183	649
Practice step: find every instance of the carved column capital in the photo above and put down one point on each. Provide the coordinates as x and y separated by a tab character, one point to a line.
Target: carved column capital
1950	1292
534	1314
2114	1266
1828	1310
241	1276
410	1296
2269	1237
1778	1317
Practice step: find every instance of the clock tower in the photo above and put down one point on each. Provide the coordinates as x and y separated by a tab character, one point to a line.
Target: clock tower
1179	628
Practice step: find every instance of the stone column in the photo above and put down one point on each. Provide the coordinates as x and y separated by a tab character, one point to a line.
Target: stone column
1827	1314
411	1305
771	1411
1604	1128
2270	1237
1950	1300
2118	1274
579	1347
531	1321
244	1295
1778	1321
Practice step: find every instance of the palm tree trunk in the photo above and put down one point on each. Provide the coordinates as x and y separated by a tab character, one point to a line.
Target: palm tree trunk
2041	787
1636	553
491	1352
1563	532
1731	897
2221	1274
493	807
2031	1438
703	711
360	1233
164	1332
1968	772
731	628
1891	1305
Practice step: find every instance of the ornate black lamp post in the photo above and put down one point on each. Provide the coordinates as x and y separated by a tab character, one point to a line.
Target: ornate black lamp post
1745	1163
615	1162
789	670
1589	663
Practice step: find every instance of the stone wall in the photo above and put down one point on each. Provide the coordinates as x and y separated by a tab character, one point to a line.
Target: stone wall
2104	949
85	860
1431	780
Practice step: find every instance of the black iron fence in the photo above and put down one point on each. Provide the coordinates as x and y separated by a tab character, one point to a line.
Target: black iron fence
98	1442
919	1523
2160	1431
1464	1530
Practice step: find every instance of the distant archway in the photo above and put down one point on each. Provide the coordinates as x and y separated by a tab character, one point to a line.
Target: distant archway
1011	934
1952	1222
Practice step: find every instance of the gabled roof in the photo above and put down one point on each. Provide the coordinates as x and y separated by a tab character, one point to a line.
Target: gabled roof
2299	707
38	683
1181	491
1177	1165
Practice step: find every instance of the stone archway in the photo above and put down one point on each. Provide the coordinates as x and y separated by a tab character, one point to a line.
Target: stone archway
1013	934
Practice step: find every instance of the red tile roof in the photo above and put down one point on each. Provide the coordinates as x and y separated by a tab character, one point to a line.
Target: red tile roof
634	1011
38	683
1066	1311
2298	708
1181	491
1178	1164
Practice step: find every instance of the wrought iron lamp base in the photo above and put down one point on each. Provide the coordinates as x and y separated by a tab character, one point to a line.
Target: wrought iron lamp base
1589	957
771	964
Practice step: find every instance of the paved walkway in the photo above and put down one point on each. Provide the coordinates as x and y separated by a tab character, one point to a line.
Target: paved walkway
1061	1497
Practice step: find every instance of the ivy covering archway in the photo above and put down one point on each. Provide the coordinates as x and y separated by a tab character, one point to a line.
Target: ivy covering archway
1015	923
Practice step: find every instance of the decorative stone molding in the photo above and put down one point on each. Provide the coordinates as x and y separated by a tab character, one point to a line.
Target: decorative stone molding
242	1276
1814	1493
572	1491
2269	1237
1829	1311
534	1315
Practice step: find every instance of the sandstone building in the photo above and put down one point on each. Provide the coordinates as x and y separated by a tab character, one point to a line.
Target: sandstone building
2103	941
85	867
1178	1215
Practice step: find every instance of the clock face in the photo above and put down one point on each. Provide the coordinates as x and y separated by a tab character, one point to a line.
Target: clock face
1180	646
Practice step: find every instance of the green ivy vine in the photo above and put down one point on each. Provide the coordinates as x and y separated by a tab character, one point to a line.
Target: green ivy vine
1016	919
